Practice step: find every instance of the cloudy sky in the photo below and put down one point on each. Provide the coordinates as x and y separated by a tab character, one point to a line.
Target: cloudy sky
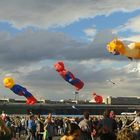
35	34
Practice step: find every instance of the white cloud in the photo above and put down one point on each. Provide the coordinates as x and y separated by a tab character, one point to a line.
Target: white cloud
46	82
29	58
22	56
48	13
132	38
90	32
132	67
29	48
133	24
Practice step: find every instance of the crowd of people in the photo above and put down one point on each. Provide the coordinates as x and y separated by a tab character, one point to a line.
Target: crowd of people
39	127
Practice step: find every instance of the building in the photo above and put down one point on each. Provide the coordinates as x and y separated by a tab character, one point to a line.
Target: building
122	100
118	104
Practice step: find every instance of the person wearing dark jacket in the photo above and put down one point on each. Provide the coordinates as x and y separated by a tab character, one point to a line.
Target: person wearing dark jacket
107	127
86	127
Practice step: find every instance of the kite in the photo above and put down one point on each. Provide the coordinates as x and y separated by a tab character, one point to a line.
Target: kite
19	90
98	99
117	47
111	82
68	76
74	107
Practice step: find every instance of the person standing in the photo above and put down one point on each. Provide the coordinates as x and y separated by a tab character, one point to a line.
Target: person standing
86	127
49	124
31	129
107	127
39	127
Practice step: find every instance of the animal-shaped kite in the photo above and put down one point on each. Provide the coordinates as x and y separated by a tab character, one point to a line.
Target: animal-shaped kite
117	47
19	90
68	76
98	99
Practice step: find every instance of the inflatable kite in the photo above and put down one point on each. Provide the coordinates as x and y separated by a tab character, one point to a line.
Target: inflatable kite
68	76
117	47
19	90
98	99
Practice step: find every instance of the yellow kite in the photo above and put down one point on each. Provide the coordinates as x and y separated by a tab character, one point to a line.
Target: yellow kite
117	47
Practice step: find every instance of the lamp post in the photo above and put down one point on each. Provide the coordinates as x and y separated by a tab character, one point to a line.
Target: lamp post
75	95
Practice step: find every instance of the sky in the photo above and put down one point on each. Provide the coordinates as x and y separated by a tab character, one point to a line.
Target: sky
35	34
